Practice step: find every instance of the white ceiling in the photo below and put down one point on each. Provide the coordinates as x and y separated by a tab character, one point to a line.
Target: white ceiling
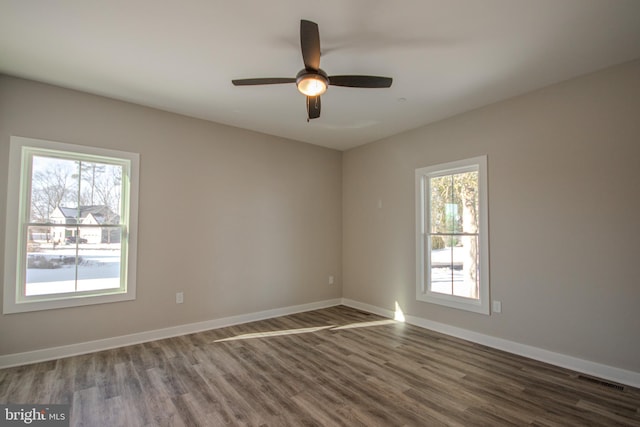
445	56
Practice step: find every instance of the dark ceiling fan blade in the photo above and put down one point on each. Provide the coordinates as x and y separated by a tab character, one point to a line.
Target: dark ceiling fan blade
313	107
310	44
263	81
361	81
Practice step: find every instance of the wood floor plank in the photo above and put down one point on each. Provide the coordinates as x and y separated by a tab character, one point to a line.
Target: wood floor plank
331	367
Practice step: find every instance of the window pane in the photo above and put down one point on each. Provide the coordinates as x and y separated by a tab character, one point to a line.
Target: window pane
100	186
441	208
454	203
52	185
50	267
465	197
82	253
466	268
454	268
99	254
441	274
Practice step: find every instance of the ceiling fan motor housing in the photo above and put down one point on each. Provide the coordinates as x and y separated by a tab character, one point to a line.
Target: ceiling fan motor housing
312	82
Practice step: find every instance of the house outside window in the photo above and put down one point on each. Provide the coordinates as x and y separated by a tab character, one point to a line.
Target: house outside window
71	226
87	215
452	256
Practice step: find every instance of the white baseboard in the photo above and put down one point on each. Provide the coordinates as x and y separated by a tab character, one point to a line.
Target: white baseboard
368	308
599	370
53	353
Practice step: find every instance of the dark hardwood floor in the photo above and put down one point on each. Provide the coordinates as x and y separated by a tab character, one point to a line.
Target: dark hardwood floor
336	366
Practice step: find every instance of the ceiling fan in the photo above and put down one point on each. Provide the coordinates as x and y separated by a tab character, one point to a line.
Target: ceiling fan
312	81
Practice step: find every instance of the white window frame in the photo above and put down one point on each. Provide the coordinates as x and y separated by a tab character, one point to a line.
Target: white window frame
423	292
20	153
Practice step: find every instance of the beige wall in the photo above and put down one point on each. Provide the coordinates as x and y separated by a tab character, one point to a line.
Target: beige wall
564	216
239	221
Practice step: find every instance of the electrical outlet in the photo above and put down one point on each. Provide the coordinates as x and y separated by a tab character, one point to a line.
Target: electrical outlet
331	280
179	297
497	307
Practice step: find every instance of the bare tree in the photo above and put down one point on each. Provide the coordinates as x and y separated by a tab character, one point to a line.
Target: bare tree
52	186
107	188
89	173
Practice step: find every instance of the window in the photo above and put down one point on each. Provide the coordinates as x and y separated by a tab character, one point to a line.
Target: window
452	256
71	226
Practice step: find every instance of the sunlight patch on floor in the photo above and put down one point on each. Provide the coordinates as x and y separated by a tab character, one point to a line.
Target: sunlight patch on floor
275	333
365	324
268	334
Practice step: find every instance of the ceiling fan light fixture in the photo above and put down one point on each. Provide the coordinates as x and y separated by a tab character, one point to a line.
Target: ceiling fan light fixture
312	83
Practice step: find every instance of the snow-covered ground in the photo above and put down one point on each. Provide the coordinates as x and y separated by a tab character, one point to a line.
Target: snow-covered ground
98	269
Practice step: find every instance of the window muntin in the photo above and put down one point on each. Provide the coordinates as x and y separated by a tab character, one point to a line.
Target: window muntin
451	247
74	239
